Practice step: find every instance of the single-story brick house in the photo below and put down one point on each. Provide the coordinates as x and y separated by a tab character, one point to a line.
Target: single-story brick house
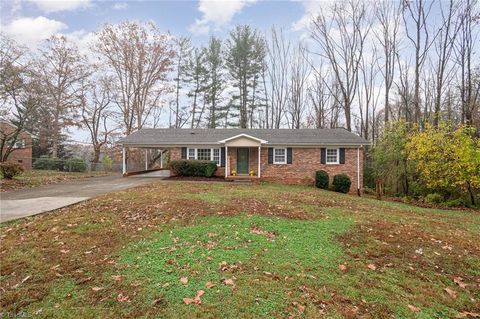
284	155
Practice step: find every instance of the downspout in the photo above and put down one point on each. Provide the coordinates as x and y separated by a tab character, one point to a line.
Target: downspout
358	170
124	164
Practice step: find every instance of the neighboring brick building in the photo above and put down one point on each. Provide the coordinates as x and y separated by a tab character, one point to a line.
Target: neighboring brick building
22	152
288	156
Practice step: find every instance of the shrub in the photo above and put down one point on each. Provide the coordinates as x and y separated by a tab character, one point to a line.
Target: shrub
75	164
341	183
434	198
321	179
107	163
10	169
48	163
458	202
193	168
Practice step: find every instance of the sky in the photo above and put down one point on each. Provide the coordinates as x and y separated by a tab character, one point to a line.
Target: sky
30	21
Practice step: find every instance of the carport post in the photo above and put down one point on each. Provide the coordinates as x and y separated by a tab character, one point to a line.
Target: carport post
161	158
124	158
146	159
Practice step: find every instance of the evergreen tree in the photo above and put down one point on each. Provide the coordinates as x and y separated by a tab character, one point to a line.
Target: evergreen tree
215	86
244	60
197	75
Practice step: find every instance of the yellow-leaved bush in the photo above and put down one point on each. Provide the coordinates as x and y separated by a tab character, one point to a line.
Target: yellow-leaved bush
447	158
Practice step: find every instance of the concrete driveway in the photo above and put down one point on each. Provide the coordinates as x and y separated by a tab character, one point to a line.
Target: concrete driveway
28	202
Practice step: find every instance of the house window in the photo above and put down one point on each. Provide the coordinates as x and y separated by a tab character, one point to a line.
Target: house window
279	156
216	155
204	154
19	144
191	153
332	156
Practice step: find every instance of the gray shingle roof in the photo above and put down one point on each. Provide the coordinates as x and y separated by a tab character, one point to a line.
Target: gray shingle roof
171	137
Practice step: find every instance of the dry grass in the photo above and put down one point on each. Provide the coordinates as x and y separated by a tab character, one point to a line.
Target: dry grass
35	178
347	256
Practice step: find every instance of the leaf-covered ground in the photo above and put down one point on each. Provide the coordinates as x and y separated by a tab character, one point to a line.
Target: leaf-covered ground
217	250
35	178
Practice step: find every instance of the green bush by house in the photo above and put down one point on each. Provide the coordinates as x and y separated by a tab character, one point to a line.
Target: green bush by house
10	169
321	179
75	164
193	168
48	163
341	183
434	198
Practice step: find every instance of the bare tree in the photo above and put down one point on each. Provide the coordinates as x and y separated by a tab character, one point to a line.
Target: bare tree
300	71
20	94
467	38
278	72
344	52
444	47
138	57
388	14
416	13
183	49
61	68
96	113
367	96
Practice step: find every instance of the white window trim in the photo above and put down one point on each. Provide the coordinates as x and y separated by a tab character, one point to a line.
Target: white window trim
326	156
211	154
274	157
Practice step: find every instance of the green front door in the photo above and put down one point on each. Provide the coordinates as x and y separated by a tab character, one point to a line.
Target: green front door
242	160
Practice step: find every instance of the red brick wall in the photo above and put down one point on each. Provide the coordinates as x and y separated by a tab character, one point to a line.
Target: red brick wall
22	155
305	162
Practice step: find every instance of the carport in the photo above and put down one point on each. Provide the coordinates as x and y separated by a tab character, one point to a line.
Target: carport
141	159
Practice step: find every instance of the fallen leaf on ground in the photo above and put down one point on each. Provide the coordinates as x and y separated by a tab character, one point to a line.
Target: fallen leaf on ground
301	308
229	282
209	284
184	280
372	266
413	308
342	267
451	292
165	285
97	288
84	280
196	300
123	298
468	314
459	282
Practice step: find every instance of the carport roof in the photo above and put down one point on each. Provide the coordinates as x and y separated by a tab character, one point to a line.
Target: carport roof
176	137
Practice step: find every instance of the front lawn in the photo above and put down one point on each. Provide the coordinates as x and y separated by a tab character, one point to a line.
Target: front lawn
217	250
34	178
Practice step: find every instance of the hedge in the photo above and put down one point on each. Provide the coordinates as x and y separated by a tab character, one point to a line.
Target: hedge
321	179
341	183
193	168
75	164
48	163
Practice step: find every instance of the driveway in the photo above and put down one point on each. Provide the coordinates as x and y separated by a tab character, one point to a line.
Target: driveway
28	202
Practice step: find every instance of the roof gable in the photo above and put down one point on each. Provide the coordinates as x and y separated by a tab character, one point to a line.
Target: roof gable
244	136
